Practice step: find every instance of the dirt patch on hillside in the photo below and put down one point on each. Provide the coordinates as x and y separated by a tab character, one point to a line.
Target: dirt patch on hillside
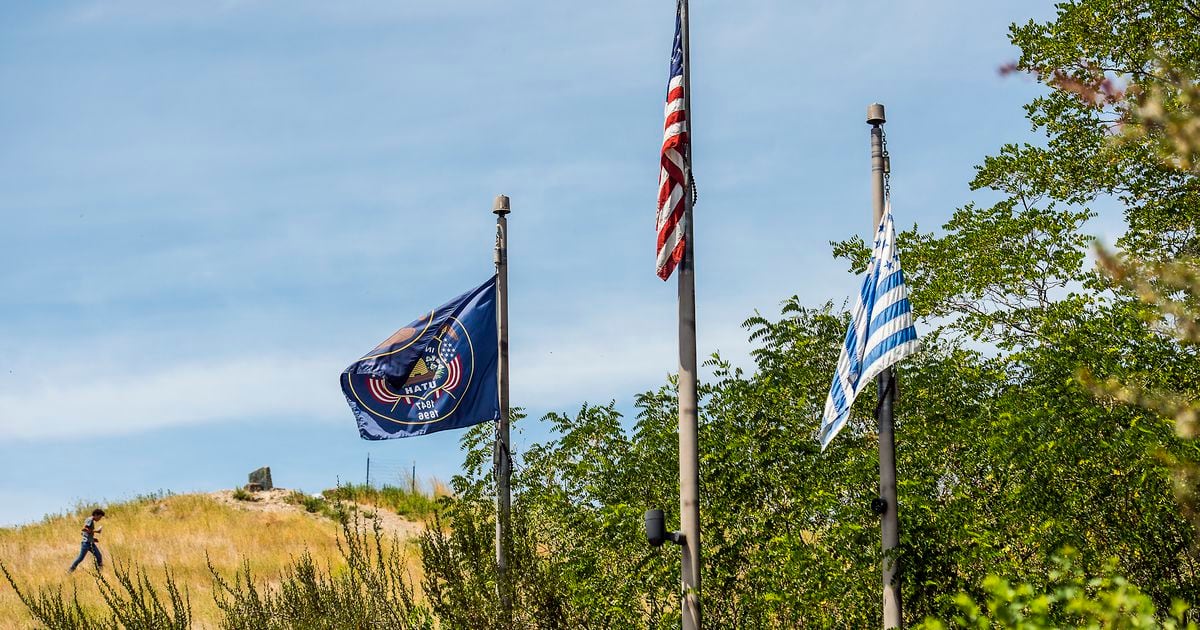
275	501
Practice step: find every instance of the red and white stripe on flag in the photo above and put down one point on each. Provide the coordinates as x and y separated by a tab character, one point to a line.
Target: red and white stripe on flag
673	174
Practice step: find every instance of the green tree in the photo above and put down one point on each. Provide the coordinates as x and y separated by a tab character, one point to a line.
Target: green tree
1005	454
1100	57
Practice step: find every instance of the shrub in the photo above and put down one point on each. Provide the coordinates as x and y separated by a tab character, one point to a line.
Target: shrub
408	502
461	578
1069	599
317	505
241	494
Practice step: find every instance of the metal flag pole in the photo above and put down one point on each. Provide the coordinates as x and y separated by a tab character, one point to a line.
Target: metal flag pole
889	523
689	456
503	460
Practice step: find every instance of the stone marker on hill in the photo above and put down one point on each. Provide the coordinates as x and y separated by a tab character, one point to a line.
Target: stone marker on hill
260	480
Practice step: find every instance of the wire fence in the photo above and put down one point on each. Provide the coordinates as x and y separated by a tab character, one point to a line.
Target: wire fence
378	472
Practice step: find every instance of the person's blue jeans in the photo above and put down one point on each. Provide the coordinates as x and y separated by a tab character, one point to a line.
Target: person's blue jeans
84	548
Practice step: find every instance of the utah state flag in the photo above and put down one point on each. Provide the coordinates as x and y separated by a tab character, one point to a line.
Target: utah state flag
436	373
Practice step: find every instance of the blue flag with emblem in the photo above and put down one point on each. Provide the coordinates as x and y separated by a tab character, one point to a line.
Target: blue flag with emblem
881	330
437	373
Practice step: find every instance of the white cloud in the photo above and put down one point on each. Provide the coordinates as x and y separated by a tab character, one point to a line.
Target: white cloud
207	206
584	352
615	350
156	13
76	403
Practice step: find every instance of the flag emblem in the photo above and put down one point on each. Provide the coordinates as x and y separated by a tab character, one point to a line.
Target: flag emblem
434	374
439	372
674	170
881	330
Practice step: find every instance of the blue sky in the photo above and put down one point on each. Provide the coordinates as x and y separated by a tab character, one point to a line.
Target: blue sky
211	208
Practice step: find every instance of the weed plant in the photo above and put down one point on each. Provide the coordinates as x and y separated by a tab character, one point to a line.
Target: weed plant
241	494
132	602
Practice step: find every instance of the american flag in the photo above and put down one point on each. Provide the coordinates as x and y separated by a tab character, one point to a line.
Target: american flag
673	175
881	330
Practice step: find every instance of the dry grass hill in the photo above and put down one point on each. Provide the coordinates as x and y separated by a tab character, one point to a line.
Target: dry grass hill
185	532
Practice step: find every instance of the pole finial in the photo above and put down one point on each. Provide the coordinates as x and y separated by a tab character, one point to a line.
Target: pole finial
875	115
500	206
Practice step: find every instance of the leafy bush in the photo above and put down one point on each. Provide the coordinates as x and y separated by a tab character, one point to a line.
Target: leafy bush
317	505
577	555
1068	599
462	585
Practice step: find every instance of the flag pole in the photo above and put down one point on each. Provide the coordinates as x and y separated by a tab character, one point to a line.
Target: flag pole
689	465
503	459
889	523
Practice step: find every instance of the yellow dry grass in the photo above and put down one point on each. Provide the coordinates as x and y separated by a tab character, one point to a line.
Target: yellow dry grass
174	532
439	488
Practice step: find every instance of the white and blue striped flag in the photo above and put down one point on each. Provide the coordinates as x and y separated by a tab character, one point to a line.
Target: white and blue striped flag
881	330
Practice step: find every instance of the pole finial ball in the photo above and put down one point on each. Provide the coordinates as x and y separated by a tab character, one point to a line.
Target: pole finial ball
500	206
875	114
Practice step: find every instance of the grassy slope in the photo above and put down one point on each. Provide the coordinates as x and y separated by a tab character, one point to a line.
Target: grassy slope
174	531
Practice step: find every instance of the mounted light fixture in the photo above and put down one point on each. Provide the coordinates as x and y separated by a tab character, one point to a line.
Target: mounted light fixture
656	530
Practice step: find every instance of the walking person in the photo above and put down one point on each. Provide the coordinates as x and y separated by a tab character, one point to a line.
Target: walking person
90	529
